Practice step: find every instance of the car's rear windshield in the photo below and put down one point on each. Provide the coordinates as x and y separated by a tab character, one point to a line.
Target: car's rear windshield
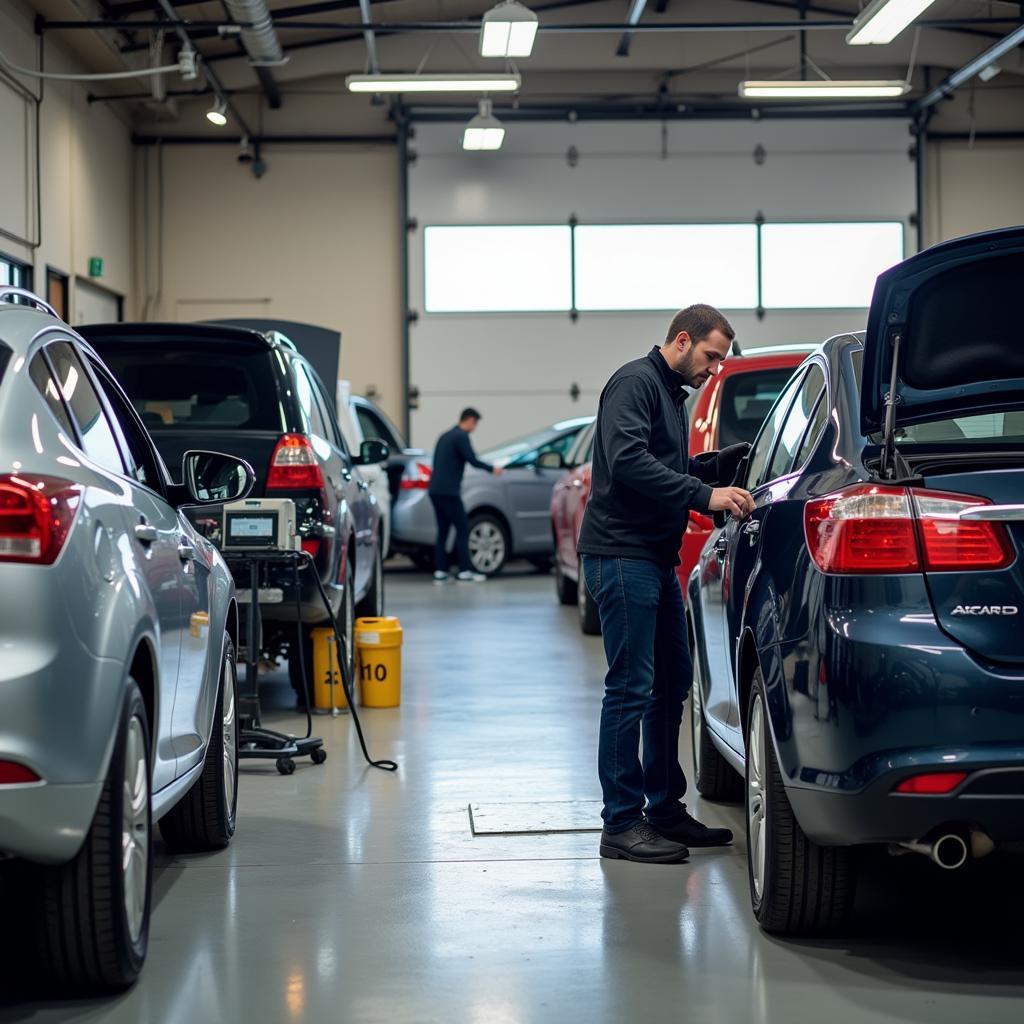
746	399
197	386
1002	427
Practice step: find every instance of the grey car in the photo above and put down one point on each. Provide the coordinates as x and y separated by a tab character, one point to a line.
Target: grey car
509	515
118	626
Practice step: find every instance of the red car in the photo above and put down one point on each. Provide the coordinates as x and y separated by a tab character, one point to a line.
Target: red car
728	409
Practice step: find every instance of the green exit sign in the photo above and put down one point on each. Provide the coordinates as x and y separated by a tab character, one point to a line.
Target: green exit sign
95	266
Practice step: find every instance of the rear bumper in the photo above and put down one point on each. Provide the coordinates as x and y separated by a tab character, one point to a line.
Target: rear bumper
877	815
46	822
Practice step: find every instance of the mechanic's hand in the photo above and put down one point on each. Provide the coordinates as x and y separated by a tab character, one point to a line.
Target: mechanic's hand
735	500
729	460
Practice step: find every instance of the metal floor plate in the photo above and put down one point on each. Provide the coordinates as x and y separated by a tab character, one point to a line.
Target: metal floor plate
527	819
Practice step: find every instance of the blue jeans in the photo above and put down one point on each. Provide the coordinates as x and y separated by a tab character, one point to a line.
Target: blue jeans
649	674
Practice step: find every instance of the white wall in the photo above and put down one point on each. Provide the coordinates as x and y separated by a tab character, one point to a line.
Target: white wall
85	169
518	368
315	240
974	188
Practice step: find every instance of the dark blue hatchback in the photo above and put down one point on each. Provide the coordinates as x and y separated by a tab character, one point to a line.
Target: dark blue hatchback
859	639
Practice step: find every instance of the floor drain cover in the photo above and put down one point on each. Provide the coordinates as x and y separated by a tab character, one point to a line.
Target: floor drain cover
548	818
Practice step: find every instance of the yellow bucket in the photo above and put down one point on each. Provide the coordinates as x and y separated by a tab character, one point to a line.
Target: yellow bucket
379	658
326	669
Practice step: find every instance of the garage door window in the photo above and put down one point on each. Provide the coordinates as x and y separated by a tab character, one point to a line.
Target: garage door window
497	269
666	266
826	266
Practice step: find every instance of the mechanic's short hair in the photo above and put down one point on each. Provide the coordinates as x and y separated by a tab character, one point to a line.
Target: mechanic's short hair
469	413
698	322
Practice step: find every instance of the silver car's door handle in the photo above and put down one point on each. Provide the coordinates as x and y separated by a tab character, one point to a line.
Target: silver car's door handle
186	552
145	533
720	546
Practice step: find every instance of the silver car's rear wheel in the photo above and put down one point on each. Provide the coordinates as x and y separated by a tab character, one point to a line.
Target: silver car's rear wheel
229	717
757	805
488	544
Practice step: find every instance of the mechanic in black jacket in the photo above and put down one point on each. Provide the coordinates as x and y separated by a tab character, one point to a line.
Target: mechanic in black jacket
643	486
451	454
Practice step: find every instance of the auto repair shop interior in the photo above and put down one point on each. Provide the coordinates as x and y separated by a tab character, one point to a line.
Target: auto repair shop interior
267	754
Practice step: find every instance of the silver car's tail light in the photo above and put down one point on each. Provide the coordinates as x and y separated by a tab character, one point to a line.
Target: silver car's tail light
36	516
14	774
879	528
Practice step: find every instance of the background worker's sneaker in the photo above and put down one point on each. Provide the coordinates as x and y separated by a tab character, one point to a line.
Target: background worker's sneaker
642	844
693	832
471	577
440	577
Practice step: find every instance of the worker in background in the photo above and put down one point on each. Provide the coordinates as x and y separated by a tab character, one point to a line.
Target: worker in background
451	454
643	487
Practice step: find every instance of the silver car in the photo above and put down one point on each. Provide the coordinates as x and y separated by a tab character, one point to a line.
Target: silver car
509	515
118	624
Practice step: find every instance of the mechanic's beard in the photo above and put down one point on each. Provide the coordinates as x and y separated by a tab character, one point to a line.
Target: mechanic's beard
689	372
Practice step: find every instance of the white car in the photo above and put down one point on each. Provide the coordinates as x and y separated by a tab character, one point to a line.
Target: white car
375	475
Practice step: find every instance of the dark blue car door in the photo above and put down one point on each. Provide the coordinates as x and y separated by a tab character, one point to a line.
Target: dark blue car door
762	551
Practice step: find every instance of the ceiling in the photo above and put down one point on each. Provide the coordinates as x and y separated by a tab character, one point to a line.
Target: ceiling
686	59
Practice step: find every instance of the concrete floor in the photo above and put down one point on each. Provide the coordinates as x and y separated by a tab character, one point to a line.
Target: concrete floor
355	896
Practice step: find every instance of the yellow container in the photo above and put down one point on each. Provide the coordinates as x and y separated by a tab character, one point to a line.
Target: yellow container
326	669
379	659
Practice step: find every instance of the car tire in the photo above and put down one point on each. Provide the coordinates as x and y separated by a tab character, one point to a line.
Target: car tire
204	818
590	620
372	605
93	922
489	546
797	887
713	776
565	588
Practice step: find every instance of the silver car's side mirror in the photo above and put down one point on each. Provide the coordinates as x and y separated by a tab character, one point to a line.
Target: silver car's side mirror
213	477
372	453
551	460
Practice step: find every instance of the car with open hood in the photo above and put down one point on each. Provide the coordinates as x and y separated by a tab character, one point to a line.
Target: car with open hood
859	662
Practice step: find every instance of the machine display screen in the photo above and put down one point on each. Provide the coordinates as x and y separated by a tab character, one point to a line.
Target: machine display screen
252	529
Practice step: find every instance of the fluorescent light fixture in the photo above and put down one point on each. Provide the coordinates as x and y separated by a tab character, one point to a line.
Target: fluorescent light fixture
433	83
217	114
484	131
987	74
822	90
883	20
508	30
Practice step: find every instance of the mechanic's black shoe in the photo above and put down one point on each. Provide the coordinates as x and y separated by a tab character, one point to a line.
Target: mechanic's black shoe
642	844
690	831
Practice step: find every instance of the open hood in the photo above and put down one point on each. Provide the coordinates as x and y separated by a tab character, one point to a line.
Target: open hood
953	316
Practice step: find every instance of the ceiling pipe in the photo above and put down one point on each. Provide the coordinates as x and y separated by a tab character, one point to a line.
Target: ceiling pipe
970	70
371	39
257	29
636	12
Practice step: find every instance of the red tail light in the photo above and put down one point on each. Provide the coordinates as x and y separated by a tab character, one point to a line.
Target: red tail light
14	774
36	516
417	478
950	543
878	528
294	466
931	784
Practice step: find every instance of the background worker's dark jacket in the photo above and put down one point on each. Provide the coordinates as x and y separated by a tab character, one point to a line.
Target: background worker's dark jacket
453	451
644	483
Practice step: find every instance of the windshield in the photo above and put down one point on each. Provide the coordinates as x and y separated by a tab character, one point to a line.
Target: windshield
197	387
1002	427
527	449
746	399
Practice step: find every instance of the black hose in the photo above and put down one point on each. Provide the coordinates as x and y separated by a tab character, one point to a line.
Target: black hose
346	679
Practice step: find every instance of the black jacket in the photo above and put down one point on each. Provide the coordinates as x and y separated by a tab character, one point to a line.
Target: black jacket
452	453
643	483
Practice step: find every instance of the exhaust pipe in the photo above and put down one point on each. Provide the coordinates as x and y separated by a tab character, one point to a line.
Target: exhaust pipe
951	850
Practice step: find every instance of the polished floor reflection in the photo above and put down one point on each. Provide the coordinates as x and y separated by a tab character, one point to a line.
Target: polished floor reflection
357	897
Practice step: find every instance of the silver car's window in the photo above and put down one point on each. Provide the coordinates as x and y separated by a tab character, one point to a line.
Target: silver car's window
97	435
39	371
311	415
799	415
765	442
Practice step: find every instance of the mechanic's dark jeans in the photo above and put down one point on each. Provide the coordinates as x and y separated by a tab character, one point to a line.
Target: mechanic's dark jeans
450	512
649	674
